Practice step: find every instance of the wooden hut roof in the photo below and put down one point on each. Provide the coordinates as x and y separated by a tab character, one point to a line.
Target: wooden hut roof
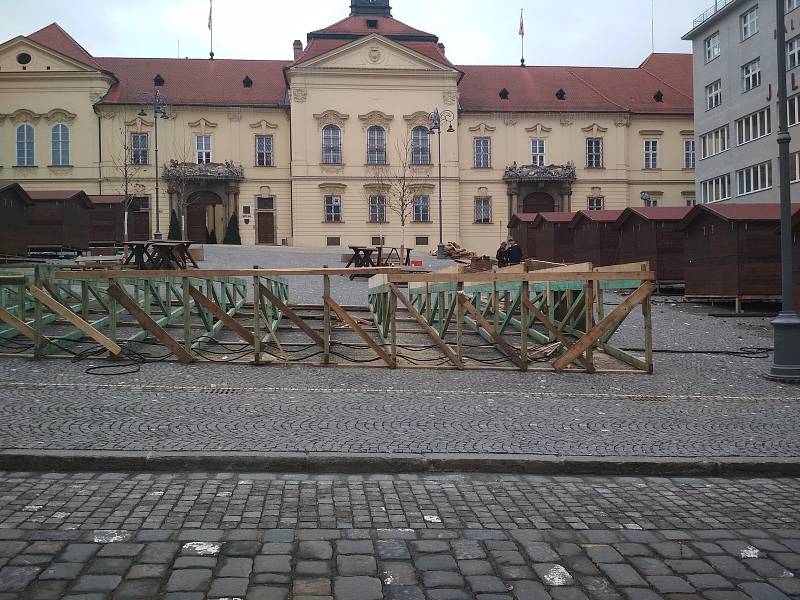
17	189
598	216
554	217
655	213
737	212
59	196
106	199
522	218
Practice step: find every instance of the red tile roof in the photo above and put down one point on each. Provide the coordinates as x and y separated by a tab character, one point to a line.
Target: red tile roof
59	40
357	27
189	81
318	47
656	213
739	212
672	69
598	216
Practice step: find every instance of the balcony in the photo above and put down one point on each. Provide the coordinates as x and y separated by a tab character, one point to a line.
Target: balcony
718	6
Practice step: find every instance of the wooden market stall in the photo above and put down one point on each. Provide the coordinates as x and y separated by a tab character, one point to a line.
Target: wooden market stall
107	218
595	239
60	218
15	209
654	235
520	230
553	237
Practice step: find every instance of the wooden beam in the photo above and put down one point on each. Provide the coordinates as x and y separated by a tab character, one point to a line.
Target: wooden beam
614	317
292	316
222	315
149	324
498	339
20	326
565	341
75	320
428	329
347	319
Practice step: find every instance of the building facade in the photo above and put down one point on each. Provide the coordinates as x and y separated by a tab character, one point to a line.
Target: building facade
337	146
735	83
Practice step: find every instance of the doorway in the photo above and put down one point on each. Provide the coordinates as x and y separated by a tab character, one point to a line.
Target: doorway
265	220
197	215
538	202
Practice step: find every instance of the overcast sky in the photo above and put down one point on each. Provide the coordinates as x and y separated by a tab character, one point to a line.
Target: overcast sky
580	32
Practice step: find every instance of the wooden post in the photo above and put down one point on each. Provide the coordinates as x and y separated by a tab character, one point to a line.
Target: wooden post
647	314
38	324
495	307
393	317
326	334
85	300
187	315
427	302
22	309
440	312
459	322
256	321
589	318
148	298
112	314
523	320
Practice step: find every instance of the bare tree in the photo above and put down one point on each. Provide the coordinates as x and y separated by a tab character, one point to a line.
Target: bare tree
179	173
125	171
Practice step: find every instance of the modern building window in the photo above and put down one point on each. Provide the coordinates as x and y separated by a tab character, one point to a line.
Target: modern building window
753	126
792	4
651	154
203	149
483	210
754	179
712	46
264	154
537	152
139	148
420	146
714	94
751	75
596	203
594	153
376	145
422	209
714	142
333	209
689	154
59	145
331	145
794	167
748	23
377	209
483	152
793	106
25	147
793	53
716	189
691	201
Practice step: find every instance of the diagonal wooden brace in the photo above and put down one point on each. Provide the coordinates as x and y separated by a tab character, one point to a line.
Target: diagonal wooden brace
565	341
223	316
20	326
498	339
346	318
291	315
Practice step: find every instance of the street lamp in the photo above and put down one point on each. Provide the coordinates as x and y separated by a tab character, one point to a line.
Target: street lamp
436	118
786	359
159	110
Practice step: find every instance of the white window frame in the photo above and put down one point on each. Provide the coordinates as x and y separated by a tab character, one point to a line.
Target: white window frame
596	202
714	142
265	155
140	153
538	152
748	23
332	145
793	108
755	178
714	94
690	201
376	145
792	4
716	189
26	147
689	154
651	158
793	53
753	126
422	208
483	210
794	167
712	47
751	75
377	208
594	156
332	207
482	150
203	148
59	145
420	146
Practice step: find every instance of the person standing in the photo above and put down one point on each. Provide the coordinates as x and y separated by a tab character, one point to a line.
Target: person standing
502	255
514	253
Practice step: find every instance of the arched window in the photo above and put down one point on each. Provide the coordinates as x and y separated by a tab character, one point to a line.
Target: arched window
331	145
376	145
60	144
420	146
25	155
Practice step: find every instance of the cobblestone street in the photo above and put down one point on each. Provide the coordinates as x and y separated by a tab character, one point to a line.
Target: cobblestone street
269	537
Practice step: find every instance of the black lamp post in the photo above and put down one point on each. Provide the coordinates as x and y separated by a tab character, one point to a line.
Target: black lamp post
786	361
436	118
159	110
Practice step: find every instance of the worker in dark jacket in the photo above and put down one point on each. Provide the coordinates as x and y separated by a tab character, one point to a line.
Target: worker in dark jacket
514	253
502	255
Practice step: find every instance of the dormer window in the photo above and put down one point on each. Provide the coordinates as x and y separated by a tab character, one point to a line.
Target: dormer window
158	81
372	23
561	94
504	94
247	82
659	96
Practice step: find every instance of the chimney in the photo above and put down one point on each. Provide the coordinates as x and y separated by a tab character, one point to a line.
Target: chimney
298	49
441	47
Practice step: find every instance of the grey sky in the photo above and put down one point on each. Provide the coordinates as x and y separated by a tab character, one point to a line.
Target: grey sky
580	32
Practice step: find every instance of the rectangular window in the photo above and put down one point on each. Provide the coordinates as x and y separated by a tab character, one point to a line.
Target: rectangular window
421	240
377	209
331	145
596	203
333	241
714	142
376	145
483	210
422	209
139	204
716	189
483	153
748	23
376	240
792	4
793	106
689	154
333	209
649	200
712	47
794	167
265	203
754	126
594	153
714	94
751	75
59	145
25	149
139	148
263	150
537	152
203	149
754	179
690	201
651	154
793	53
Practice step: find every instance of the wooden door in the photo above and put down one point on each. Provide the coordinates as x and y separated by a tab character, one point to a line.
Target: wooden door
196	222
538	202
266	227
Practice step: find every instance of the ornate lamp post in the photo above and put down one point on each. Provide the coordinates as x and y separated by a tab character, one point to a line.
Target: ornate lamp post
437	118
159	110
786	361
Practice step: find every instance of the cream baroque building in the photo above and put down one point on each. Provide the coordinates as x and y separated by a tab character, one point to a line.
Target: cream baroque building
301	150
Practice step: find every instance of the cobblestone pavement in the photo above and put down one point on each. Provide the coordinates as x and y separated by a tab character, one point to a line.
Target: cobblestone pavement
267	537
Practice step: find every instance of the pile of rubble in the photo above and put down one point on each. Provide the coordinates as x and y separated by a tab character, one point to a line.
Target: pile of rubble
454	251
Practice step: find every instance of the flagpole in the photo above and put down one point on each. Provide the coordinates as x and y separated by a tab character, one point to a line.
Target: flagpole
522	35
211	27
